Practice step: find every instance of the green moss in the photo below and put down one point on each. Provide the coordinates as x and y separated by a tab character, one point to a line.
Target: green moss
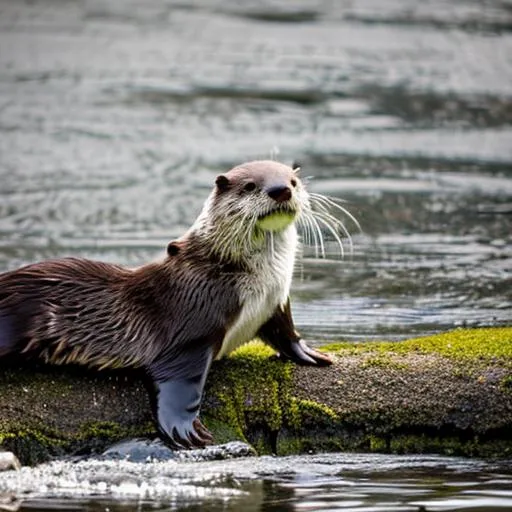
482	344
450	445
40	443
32	446
378	444
487	344
308	410
111	431
251	396
100	429
253	351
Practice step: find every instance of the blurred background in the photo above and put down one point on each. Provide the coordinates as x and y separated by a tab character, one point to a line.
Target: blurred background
116	116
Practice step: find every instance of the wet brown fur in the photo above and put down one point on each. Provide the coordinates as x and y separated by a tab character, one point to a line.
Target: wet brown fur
81	311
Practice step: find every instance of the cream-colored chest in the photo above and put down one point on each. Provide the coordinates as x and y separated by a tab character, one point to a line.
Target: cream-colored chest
261	292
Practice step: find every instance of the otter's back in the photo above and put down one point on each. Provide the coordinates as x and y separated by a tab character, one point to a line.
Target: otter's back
40	305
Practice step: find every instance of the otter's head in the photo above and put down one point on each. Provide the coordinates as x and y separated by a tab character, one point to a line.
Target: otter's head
252	203
267	193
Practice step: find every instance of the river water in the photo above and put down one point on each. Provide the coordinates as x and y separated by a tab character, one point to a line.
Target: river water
334	482
115	117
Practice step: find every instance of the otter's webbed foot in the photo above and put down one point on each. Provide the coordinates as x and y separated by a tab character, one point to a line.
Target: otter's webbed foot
279	332
177	407
179	382
298	352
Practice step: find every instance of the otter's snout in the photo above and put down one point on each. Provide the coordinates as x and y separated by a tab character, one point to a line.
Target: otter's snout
280	193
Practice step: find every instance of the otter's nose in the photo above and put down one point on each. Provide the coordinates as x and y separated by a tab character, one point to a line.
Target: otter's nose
280	193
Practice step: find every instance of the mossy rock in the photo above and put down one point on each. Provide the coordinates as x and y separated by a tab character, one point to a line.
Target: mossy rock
485	344
448	393
48	411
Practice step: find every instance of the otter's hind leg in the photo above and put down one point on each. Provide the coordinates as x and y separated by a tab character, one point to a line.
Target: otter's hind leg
279	332
179	386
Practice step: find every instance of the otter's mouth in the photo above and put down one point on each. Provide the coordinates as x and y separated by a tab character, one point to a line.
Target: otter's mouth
277	219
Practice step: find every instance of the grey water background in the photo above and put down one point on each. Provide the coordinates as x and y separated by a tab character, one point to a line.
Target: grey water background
115	117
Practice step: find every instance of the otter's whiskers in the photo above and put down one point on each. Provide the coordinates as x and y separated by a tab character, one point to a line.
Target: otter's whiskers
318	214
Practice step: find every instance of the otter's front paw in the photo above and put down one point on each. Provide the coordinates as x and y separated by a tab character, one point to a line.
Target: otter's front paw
298	352
177	405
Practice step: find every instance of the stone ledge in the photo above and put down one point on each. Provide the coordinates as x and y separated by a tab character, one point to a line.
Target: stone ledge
449	393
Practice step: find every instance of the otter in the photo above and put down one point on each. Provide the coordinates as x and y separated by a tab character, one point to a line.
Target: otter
224	282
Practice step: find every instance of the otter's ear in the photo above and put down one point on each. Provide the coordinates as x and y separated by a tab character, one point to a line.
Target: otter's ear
222	182
296	167
173	248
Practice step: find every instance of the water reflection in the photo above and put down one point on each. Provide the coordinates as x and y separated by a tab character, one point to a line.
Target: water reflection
333	482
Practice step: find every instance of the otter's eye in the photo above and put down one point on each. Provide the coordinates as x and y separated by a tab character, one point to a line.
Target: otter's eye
293	183
249	187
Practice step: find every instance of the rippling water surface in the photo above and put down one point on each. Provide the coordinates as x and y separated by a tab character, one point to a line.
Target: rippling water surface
343	482
115	117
